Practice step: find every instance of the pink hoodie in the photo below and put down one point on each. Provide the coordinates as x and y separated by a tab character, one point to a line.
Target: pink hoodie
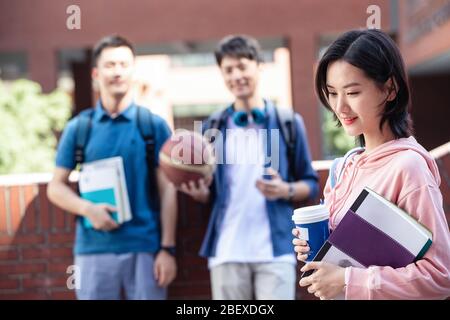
404	173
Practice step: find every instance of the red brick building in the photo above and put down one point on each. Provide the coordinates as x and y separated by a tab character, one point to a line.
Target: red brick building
38	29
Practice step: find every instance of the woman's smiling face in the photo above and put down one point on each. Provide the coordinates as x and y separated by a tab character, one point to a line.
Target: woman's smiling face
357	100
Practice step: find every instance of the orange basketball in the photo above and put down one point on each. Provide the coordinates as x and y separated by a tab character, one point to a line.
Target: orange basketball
186	156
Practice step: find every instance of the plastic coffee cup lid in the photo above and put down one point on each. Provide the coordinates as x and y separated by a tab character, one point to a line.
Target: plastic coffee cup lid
310	214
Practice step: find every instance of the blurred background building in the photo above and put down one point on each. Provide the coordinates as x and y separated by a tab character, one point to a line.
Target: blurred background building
177	78
175	40
182	83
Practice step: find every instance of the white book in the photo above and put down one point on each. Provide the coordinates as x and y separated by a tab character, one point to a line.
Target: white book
103	181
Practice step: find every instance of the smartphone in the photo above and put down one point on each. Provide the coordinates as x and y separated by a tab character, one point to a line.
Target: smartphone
266	175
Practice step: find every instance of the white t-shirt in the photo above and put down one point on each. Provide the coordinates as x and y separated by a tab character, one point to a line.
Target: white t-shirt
245	231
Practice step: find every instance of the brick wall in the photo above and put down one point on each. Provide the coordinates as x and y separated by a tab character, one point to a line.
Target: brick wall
36	244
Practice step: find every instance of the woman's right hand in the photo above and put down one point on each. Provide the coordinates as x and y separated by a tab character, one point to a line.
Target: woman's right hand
300	246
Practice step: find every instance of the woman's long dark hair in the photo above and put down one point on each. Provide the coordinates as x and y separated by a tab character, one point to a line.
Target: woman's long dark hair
375	53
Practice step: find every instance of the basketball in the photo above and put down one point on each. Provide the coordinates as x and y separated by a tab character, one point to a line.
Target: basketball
186	156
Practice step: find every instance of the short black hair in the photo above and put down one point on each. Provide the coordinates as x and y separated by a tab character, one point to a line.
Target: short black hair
238	46
377	55
111	41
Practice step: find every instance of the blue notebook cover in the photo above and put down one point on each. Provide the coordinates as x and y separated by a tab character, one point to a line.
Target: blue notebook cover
100	196
97	177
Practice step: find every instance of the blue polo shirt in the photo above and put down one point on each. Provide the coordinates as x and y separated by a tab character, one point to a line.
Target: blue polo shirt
110	138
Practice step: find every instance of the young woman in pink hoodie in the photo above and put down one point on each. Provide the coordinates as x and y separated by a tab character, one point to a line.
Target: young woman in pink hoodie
361	78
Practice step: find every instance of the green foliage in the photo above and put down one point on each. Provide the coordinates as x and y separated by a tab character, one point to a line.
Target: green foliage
28	122
336	141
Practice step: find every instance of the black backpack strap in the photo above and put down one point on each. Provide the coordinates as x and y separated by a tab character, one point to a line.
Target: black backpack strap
83	129
286	122
144	119
215	121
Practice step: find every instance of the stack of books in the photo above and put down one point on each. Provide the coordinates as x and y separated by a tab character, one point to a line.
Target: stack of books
375	232
103	181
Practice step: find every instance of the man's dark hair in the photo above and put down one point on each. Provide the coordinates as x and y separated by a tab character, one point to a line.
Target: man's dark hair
238	46
377	55
111	41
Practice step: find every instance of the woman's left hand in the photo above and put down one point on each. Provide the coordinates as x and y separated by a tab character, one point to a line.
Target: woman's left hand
327	282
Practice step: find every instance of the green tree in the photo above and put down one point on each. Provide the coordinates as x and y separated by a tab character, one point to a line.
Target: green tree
29	120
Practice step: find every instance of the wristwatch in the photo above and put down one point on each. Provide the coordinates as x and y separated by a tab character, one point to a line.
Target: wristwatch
170	249
290	192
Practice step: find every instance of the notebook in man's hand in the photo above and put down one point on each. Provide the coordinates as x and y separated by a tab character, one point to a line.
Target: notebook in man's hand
103	181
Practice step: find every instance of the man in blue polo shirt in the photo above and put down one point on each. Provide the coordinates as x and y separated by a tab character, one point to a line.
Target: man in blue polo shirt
136	257
248	240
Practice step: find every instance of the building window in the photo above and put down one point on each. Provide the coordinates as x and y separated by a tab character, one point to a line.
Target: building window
13	65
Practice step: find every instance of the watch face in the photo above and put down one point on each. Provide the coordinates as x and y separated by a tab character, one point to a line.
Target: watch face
291	192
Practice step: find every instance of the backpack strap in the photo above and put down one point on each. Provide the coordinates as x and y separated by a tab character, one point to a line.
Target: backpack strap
144	120
83	129
336	176
332	172
215	121
286	122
